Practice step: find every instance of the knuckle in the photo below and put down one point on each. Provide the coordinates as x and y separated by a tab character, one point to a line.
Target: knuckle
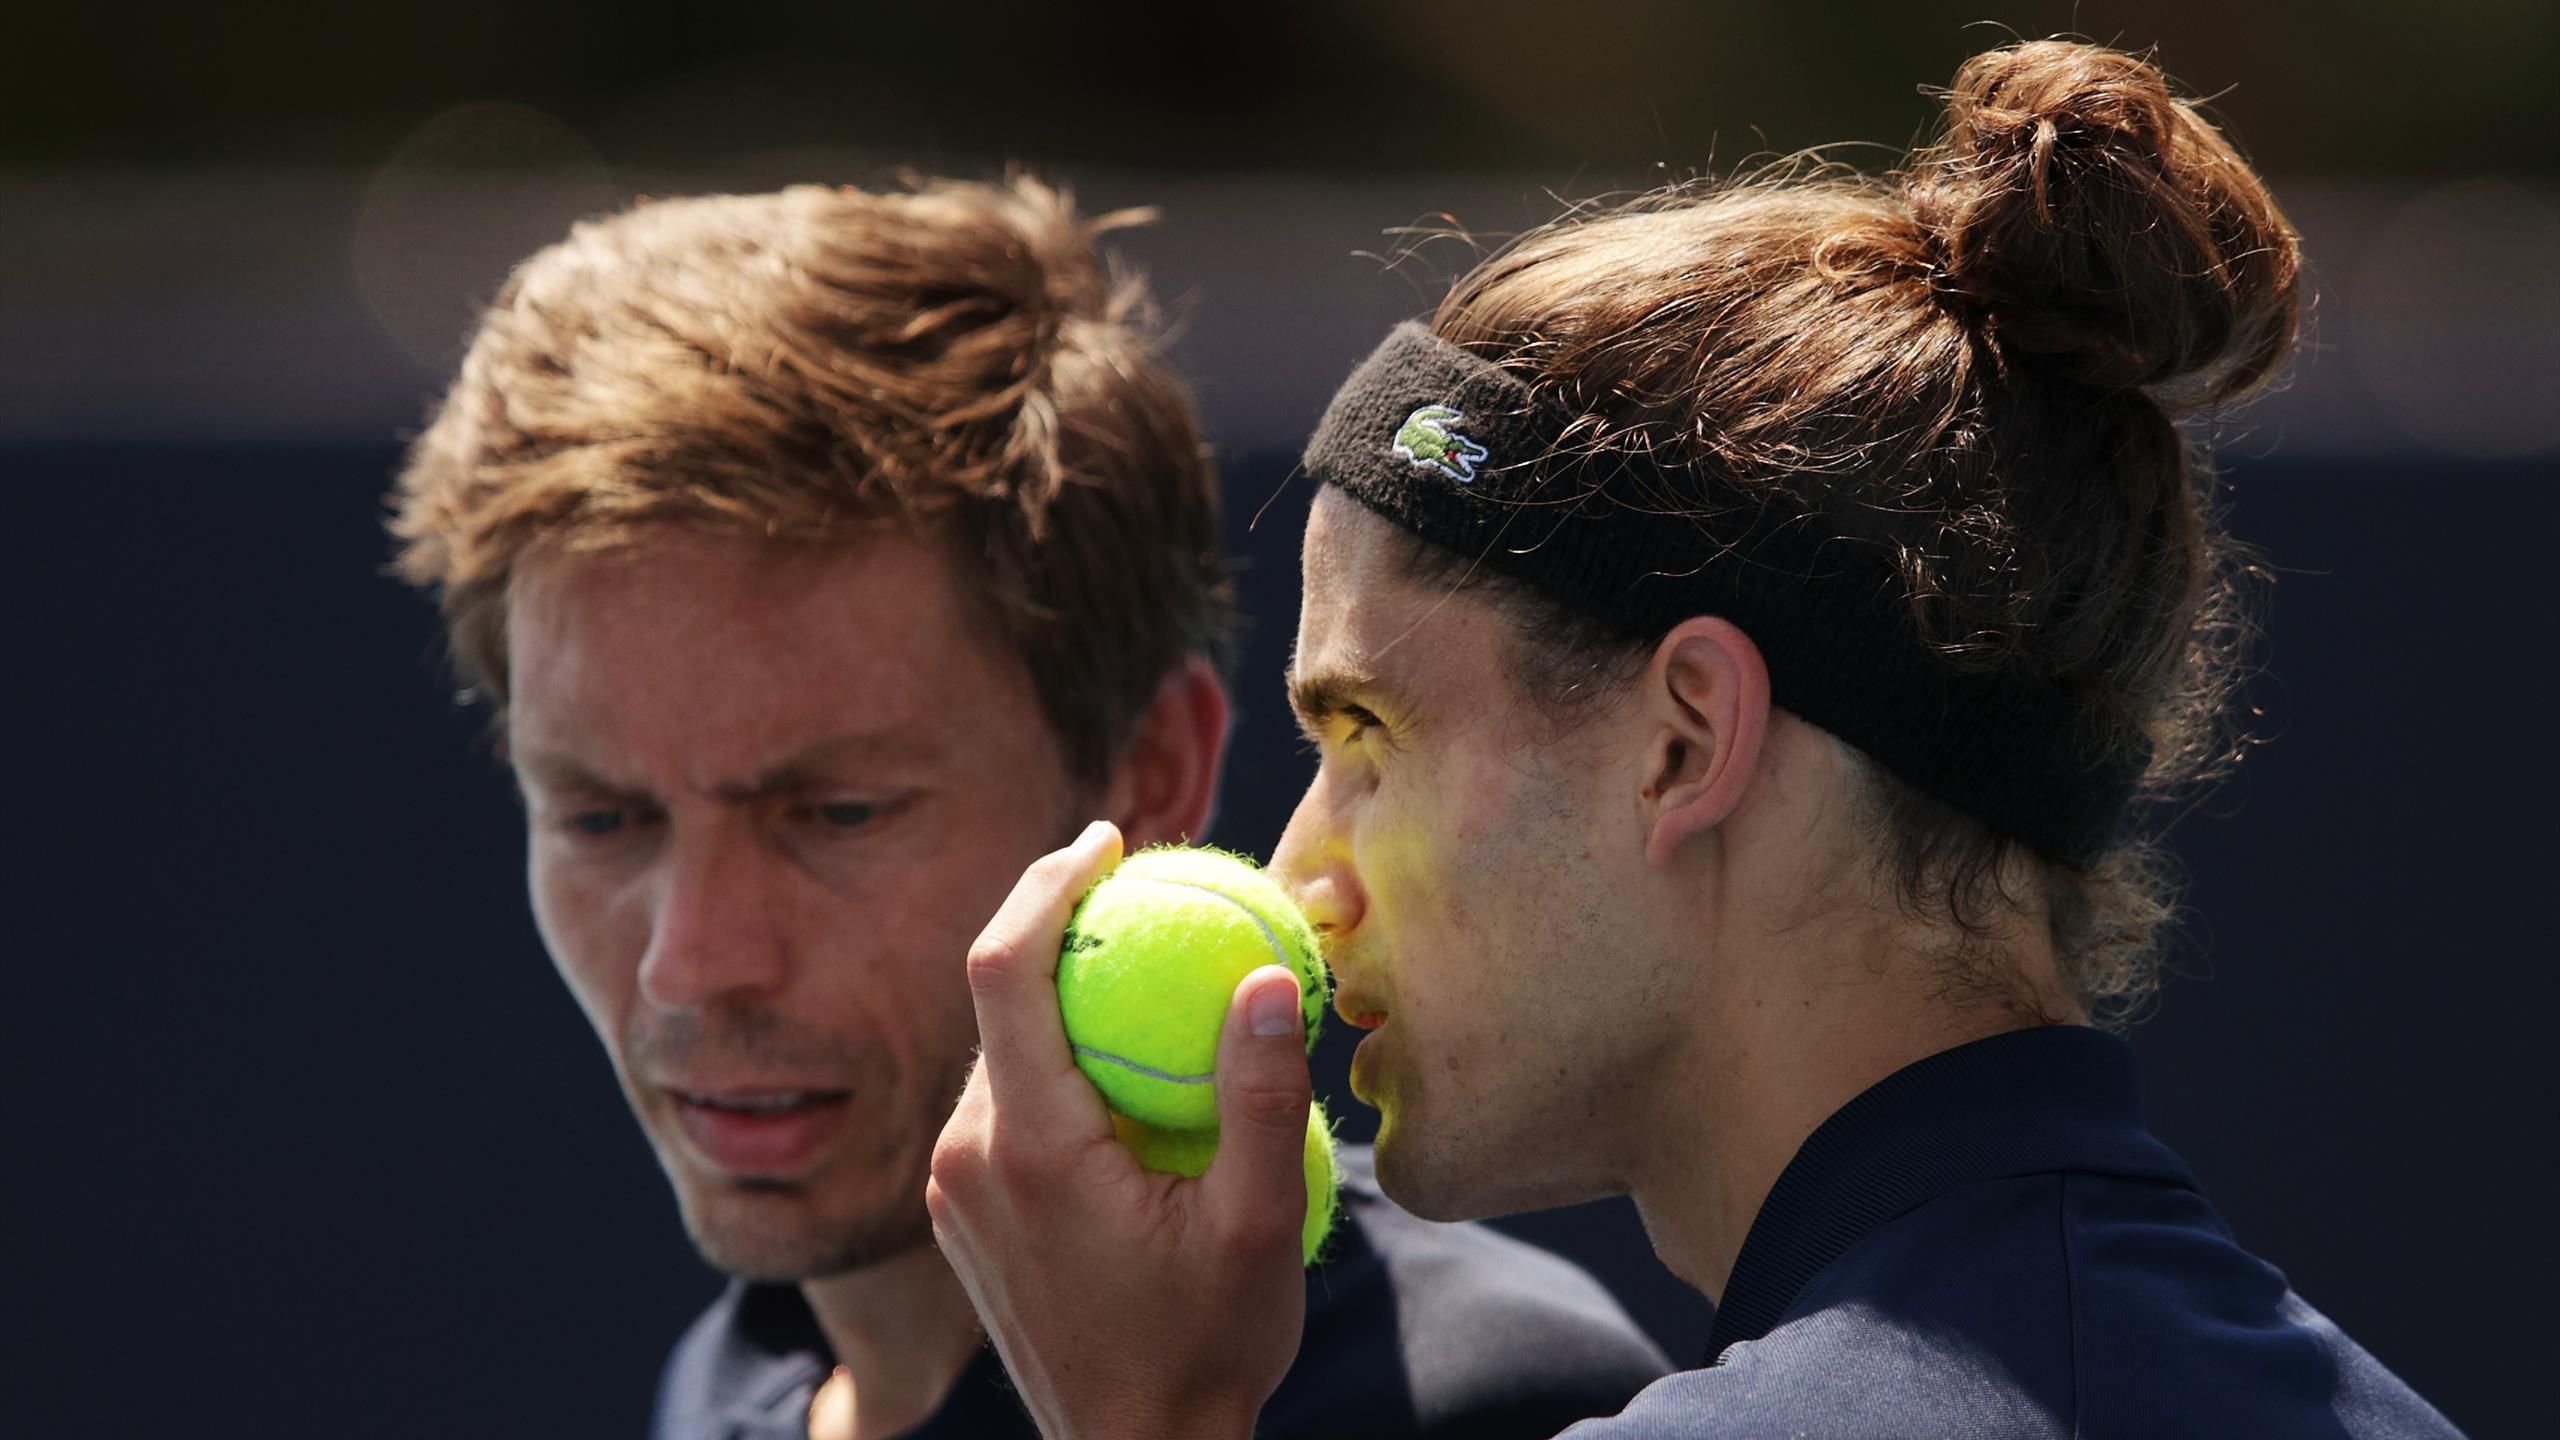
957	1161
1054	869
992	962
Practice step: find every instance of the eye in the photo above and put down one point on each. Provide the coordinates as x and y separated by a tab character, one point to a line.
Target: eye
1341	725
607	821
597	824
847	814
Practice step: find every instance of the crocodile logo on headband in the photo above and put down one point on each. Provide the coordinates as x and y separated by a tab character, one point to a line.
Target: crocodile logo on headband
1425	439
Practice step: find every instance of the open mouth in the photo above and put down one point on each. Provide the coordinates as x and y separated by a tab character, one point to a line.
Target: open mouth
760	1133
1356	1012
776	1102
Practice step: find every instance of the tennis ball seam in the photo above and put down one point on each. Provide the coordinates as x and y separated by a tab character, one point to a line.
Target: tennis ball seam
1270	937
1125	1063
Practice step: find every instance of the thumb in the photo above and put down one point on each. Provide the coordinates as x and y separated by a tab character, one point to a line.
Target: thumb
1259	1174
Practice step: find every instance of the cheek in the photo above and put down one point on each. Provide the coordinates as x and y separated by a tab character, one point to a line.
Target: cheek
898	940
1497	829
895	980
1433	845
1516	859
911	977
594	942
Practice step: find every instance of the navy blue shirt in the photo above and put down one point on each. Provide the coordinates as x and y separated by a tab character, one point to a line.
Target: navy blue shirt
1413	1329
1989	1243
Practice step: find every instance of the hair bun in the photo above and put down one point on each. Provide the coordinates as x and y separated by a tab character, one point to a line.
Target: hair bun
2096	221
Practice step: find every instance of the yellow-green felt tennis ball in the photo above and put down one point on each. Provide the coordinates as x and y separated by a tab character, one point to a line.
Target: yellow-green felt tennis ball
1151	962
1152	957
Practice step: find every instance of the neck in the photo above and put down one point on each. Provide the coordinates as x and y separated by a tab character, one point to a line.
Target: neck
903	1331
1780	1053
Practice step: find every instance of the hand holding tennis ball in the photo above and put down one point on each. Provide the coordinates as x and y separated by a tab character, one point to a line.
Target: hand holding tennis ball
1152	957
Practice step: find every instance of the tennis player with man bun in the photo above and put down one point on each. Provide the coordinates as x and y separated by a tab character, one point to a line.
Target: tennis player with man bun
1743	632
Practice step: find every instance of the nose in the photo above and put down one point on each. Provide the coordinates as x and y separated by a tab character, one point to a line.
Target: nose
715	931
1313	863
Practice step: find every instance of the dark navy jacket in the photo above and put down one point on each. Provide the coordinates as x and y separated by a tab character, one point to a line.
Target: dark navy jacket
1413	1329
1988	1243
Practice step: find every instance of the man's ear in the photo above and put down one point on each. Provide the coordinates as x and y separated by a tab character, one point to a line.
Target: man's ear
1165	785
1706	699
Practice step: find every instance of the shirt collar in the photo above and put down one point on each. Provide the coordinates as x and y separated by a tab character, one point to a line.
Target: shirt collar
768	1355
2063	1097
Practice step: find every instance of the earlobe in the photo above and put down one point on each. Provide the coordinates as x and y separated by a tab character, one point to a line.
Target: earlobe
1707	698
1165	786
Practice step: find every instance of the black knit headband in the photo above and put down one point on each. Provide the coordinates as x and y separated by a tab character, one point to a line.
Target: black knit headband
1453	449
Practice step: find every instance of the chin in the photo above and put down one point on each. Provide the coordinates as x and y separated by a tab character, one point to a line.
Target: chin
785	1234
1419	1178
1466	1180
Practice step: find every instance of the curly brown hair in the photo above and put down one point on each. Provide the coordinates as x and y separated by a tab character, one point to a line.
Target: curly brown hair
1976	362
808	364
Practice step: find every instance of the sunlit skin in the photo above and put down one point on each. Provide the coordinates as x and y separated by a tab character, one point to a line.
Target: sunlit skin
773	790
1457	872
1640	953
1644	954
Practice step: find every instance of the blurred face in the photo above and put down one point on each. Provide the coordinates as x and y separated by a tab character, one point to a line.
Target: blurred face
773	793
1478	890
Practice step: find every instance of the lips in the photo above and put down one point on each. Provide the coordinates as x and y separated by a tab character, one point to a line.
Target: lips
759	1132
758	1103
1365	1059
1358	1011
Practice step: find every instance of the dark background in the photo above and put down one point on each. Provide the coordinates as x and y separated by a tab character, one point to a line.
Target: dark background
310	1141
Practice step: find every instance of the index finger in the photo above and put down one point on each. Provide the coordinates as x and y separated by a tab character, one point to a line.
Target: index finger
1013	981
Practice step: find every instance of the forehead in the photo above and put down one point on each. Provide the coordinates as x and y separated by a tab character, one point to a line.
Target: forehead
1364	615
691	638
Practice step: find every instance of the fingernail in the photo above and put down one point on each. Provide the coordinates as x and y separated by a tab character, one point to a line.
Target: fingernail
1274	1011
1092	836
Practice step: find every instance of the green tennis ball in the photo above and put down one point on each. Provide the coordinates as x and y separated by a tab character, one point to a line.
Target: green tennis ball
1188	1152
1150	965
1152	958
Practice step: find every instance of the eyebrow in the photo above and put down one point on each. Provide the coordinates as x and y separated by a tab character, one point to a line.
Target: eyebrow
806	770
1319	695
803	770
559	772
